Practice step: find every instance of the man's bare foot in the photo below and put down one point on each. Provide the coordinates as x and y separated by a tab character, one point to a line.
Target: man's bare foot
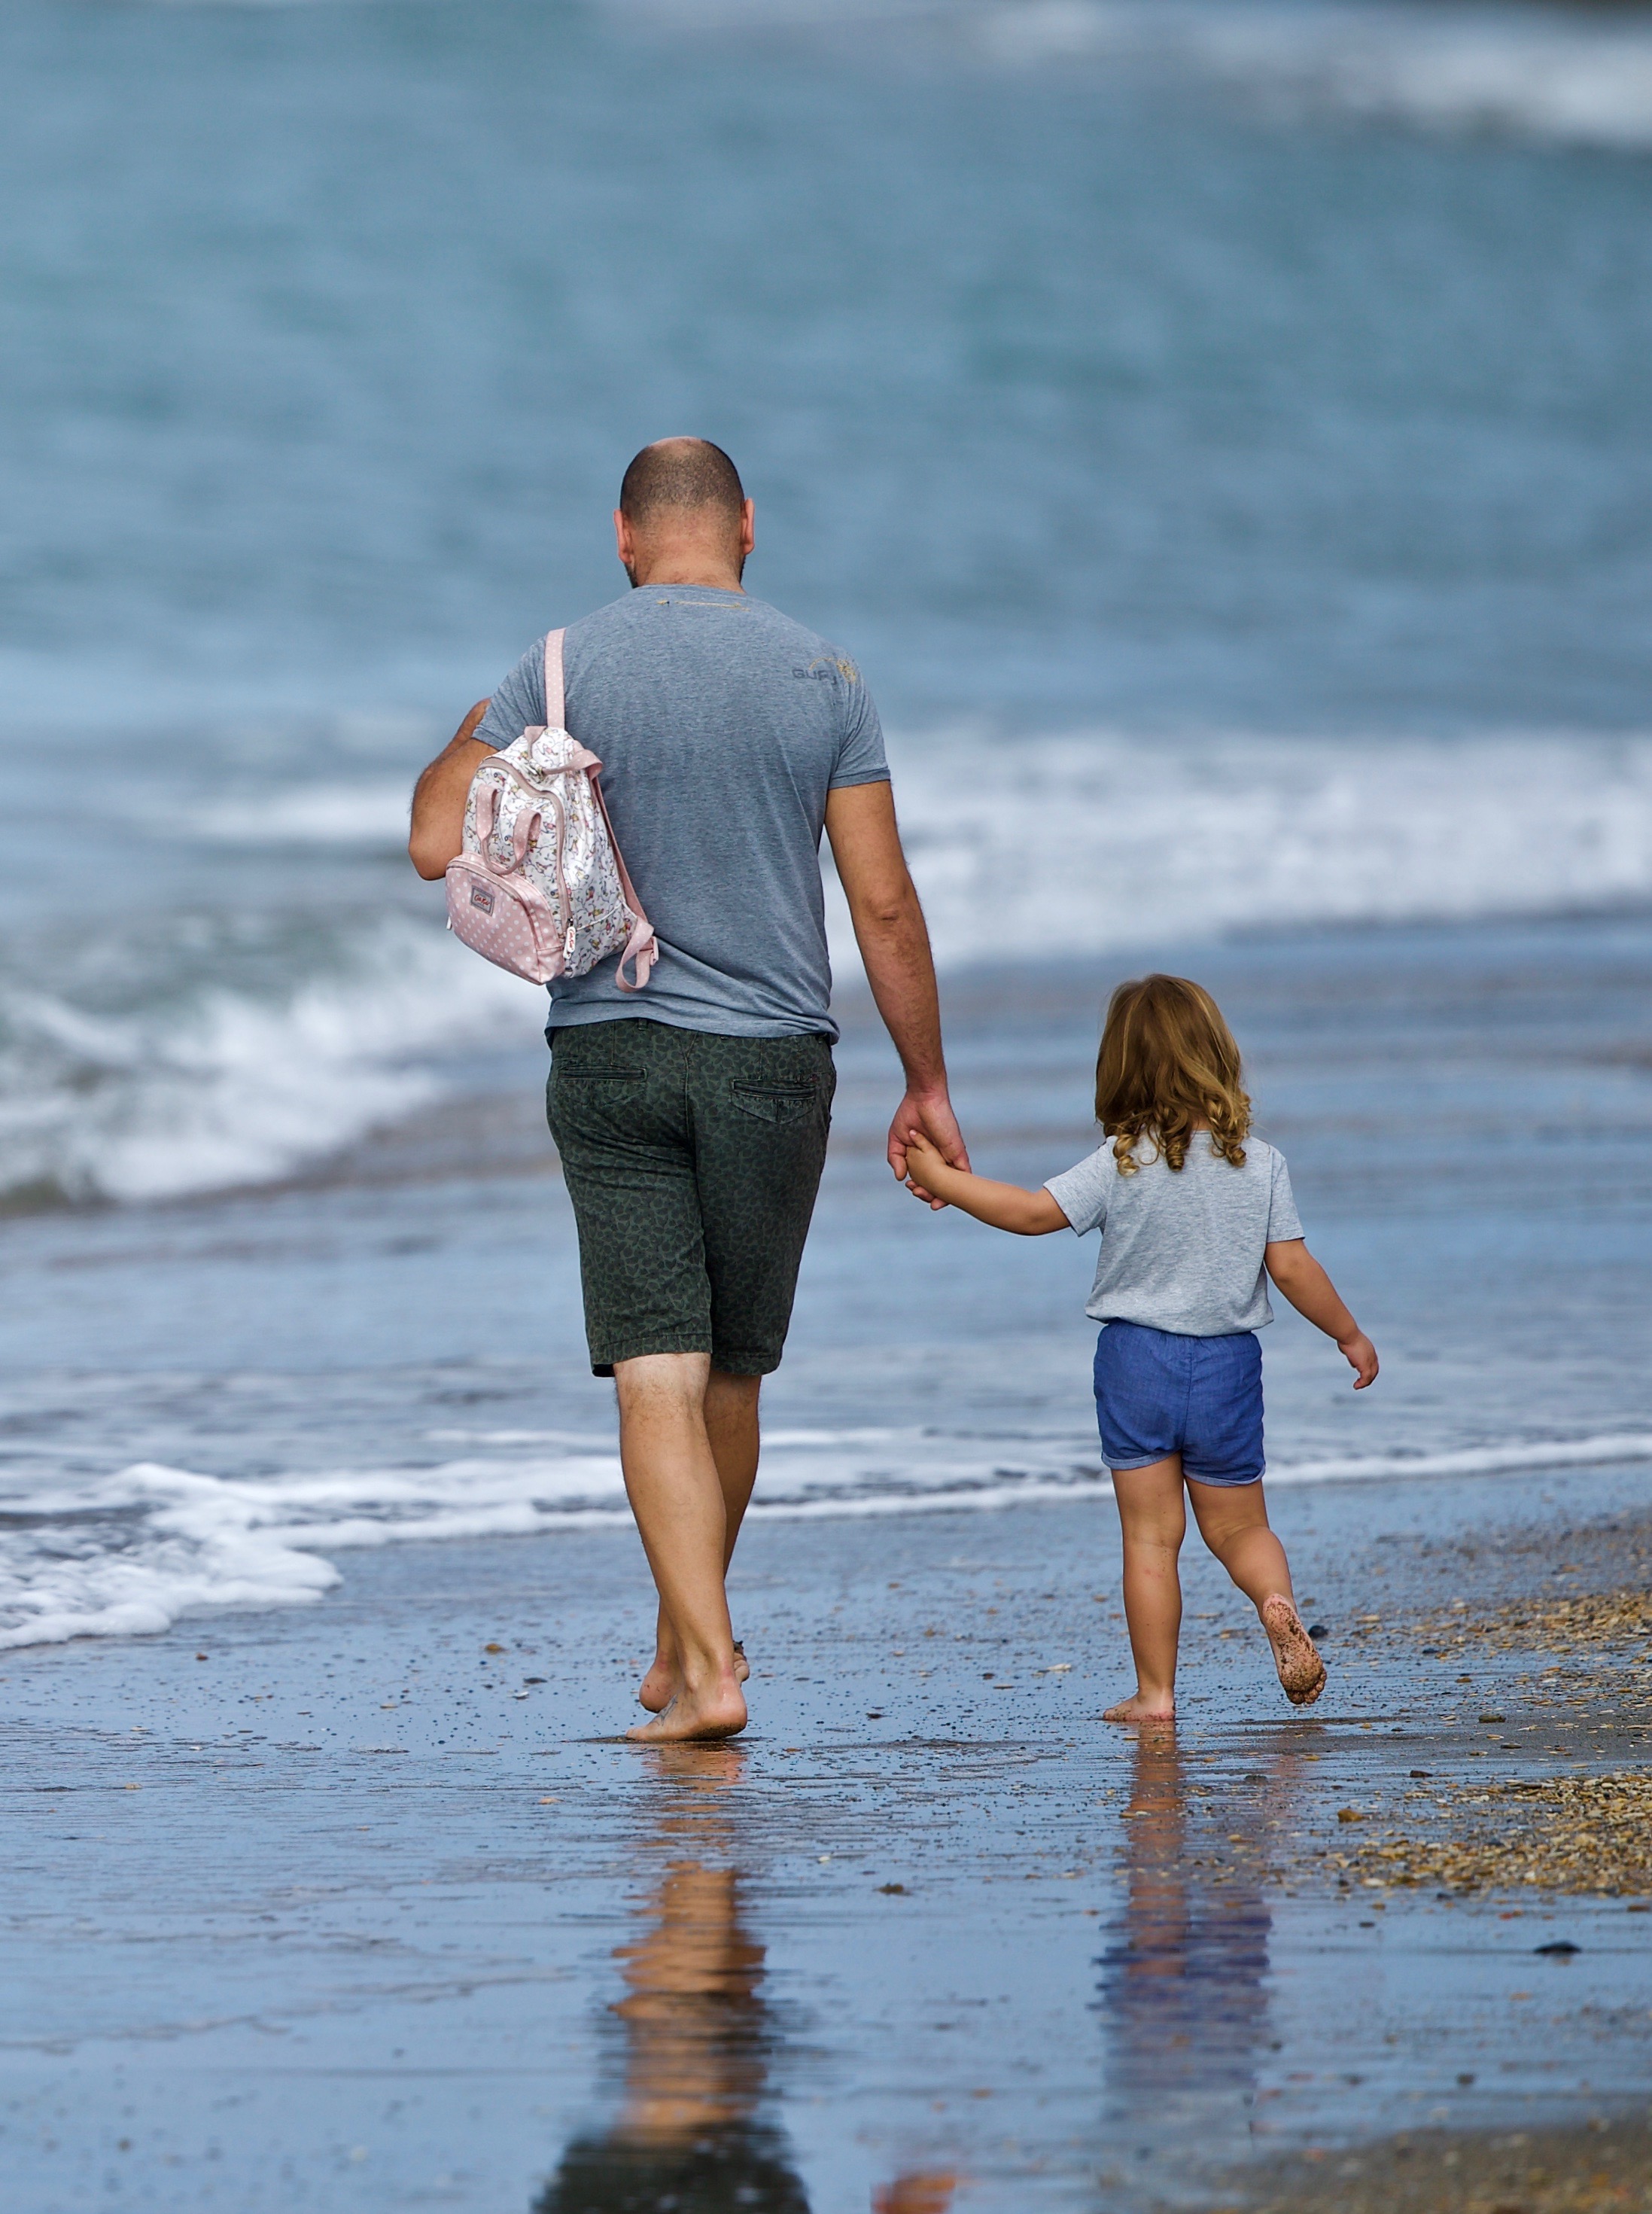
659	1687
717	1711
1138	1708
1301	1669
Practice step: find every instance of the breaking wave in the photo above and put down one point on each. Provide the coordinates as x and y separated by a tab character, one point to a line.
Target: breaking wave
1527	71
129	1554
148	1073
200	1087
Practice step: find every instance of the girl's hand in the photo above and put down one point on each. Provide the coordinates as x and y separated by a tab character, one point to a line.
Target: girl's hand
923	1158
1362	1356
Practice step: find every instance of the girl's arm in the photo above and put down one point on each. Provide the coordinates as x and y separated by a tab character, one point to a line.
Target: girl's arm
1312	1293
1005	1206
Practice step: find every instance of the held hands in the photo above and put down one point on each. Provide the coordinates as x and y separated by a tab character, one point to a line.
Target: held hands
925	1120
926	1168
1361	1356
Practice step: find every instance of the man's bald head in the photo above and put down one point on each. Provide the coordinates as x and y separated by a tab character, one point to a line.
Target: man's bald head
683	517
681	474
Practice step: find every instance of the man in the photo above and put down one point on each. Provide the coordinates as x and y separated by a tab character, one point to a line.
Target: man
691	1116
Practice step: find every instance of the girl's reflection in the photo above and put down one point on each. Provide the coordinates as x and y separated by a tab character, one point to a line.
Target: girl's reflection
1184	1994
698	2040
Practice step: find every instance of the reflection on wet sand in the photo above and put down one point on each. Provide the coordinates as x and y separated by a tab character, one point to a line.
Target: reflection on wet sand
1183	1999
916	2194
690	2137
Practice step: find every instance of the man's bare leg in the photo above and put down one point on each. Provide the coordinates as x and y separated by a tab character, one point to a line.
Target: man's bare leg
1154	1520
731	1426
672	1481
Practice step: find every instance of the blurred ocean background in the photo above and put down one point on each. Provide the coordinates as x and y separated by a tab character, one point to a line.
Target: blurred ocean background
1221	429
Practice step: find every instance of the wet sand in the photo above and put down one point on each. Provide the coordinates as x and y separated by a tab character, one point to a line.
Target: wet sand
367	1909
1597	2169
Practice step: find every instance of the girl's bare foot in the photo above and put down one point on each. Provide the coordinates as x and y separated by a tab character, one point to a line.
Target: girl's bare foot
1301	1669
1139	1708
659	1687
716	1711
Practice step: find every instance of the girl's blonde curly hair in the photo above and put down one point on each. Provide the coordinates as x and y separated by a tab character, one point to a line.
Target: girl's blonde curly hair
1167	1063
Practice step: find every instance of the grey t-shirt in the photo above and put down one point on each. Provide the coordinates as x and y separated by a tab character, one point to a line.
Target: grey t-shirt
1182	1250
721	726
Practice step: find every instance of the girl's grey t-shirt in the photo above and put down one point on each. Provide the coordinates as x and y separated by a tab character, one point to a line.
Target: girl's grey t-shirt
721	726
1182	1250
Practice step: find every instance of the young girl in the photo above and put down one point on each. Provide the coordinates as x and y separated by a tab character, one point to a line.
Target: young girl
1195	1215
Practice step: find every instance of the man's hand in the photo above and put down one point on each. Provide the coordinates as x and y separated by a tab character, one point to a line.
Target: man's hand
437	832
929	1119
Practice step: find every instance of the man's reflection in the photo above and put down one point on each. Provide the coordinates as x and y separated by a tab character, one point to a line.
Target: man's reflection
690	2136
1183	1996
697	2036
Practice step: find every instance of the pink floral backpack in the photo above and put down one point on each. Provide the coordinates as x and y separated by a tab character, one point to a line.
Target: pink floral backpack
539	888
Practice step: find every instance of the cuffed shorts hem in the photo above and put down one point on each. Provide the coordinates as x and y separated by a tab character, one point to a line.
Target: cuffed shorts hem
1198	1476
605	1360
733	1363
1227	1481
604	1357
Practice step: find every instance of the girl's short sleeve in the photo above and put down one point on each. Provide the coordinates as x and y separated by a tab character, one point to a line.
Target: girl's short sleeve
1082	1193
1284	1221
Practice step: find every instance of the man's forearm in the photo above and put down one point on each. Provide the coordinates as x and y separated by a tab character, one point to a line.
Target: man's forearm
900	970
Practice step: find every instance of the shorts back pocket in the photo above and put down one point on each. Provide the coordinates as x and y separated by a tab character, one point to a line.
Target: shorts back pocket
774	1103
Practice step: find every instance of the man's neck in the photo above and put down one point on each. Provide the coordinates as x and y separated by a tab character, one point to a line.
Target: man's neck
686	568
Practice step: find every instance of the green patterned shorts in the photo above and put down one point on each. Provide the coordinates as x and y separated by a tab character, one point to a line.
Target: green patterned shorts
692	1162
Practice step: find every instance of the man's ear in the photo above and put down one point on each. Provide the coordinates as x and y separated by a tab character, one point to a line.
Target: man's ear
624	544
747	527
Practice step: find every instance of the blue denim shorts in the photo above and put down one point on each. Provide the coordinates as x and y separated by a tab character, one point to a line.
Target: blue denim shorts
1158	1394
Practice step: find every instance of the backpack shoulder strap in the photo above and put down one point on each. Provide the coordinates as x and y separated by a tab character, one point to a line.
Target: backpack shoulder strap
555	708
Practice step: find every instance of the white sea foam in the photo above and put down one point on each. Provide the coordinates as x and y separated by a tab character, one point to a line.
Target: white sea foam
360	813
1549	74
129	1554
1023	849
226	1088
1103	840
1535	72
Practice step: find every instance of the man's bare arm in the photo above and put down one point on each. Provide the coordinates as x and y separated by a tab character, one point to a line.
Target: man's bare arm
438	826
894	942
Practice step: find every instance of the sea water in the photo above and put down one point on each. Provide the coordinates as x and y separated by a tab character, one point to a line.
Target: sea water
1220	431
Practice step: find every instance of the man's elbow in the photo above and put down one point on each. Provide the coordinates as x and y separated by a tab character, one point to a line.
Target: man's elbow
429	845
888	916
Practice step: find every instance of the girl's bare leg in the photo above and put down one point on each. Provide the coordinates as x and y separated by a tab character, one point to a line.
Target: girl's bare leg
1232	1521
1154	1519
731	1427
